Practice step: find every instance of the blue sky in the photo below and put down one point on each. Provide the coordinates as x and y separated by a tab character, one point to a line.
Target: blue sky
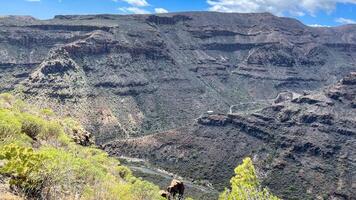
310	12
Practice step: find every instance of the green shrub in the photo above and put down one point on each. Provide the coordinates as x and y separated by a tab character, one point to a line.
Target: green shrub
32	125
38	128
55	173
9	124
52	130
64	139
24	166
70	172
144	190
123	172
91	174
19	106
47	112
245	185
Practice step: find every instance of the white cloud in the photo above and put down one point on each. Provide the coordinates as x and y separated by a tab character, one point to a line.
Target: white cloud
345	21
318	25
278	7
139	3
161	10
134	10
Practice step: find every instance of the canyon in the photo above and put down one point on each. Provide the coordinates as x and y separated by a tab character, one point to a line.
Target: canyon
193	93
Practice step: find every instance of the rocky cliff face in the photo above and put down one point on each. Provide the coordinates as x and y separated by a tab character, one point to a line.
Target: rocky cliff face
126	76
304	147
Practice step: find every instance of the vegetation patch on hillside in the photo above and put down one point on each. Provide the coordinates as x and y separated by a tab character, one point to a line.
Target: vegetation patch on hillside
41	158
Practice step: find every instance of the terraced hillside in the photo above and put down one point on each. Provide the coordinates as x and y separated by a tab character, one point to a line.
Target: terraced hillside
127	76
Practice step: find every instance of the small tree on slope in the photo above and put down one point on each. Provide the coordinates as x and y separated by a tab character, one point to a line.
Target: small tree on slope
245	185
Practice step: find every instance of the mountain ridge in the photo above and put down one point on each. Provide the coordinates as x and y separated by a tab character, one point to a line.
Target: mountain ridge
139	58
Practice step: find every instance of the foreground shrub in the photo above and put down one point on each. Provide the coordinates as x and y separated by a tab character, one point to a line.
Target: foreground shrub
245	185
24	166
65	173
41	160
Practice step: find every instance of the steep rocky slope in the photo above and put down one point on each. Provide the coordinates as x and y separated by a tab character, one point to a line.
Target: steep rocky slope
136	75
304	147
